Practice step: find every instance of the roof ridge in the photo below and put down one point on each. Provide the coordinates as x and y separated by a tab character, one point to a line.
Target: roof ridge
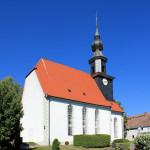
137	116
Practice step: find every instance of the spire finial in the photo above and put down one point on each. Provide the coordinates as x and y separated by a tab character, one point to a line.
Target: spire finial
96	18
97	46
96	34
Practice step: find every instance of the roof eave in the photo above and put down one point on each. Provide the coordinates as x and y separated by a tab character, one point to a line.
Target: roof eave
49	96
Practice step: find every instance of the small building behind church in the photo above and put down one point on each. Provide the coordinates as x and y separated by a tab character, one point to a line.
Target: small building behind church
60	101
136	125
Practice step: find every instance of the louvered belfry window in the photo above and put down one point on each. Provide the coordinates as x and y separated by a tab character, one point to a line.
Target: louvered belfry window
96	121
84	120
70	119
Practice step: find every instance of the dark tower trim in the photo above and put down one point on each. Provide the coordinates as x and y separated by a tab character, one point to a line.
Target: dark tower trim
101	74
98	68
98	57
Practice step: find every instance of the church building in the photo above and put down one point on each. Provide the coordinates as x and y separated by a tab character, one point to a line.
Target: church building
60	102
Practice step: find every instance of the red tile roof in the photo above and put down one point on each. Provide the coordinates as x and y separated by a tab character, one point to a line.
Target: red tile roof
141	120
56	80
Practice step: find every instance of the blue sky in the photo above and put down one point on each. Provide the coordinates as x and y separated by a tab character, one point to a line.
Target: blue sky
63	32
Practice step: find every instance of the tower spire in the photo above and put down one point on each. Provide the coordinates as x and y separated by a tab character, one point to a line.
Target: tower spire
96	26
97	45
97	36
96	18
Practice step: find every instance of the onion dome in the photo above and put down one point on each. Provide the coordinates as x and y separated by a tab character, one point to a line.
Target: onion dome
97	44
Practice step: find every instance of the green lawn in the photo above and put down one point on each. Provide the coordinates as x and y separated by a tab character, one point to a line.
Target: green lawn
70	147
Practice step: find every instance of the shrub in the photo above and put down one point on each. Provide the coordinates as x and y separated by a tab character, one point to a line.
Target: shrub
124	146
92	141
142	142
120	141
55	145
66	143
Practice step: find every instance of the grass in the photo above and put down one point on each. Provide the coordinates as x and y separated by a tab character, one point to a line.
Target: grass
63	147
32	143
71	147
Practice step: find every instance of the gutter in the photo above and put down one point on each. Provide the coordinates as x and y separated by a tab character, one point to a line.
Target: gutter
30	72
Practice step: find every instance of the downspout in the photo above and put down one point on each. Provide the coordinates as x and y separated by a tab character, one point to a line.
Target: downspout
48	119
123	126
110	123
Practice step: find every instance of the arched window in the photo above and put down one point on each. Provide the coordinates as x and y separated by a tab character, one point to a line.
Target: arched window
115	127
84	119
96	121
70	120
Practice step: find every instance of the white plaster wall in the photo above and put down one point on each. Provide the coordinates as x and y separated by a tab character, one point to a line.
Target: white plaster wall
105	121
119	125
130	133
136	131
59	119
32	120
98	65
145	130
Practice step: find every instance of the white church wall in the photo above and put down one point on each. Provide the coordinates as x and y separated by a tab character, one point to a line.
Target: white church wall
59	119
32	120
119	125
105	121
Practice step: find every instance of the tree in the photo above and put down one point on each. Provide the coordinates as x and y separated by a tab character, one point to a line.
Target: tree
10	111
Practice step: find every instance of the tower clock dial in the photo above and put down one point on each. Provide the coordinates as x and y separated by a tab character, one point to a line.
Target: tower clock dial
105	81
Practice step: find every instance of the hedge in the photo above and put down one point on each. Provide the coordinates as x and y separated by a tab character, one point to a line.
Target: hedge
92	141
120	141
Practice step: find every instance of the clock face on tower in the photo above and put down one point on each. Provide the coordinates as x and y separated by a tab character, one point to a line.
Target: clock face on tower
105	81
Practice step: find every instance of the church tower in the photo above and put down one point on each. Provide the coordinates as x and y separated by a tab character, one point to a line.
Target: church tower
98	68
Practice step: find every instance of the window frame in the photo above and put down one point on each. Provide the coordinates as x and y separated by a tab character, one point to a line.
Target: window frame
115	127
84	120
70	120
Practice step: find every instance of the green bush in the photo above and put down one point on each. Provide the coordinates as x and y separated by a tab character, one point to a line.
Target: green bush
142	142
120	141
92	141
55	145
